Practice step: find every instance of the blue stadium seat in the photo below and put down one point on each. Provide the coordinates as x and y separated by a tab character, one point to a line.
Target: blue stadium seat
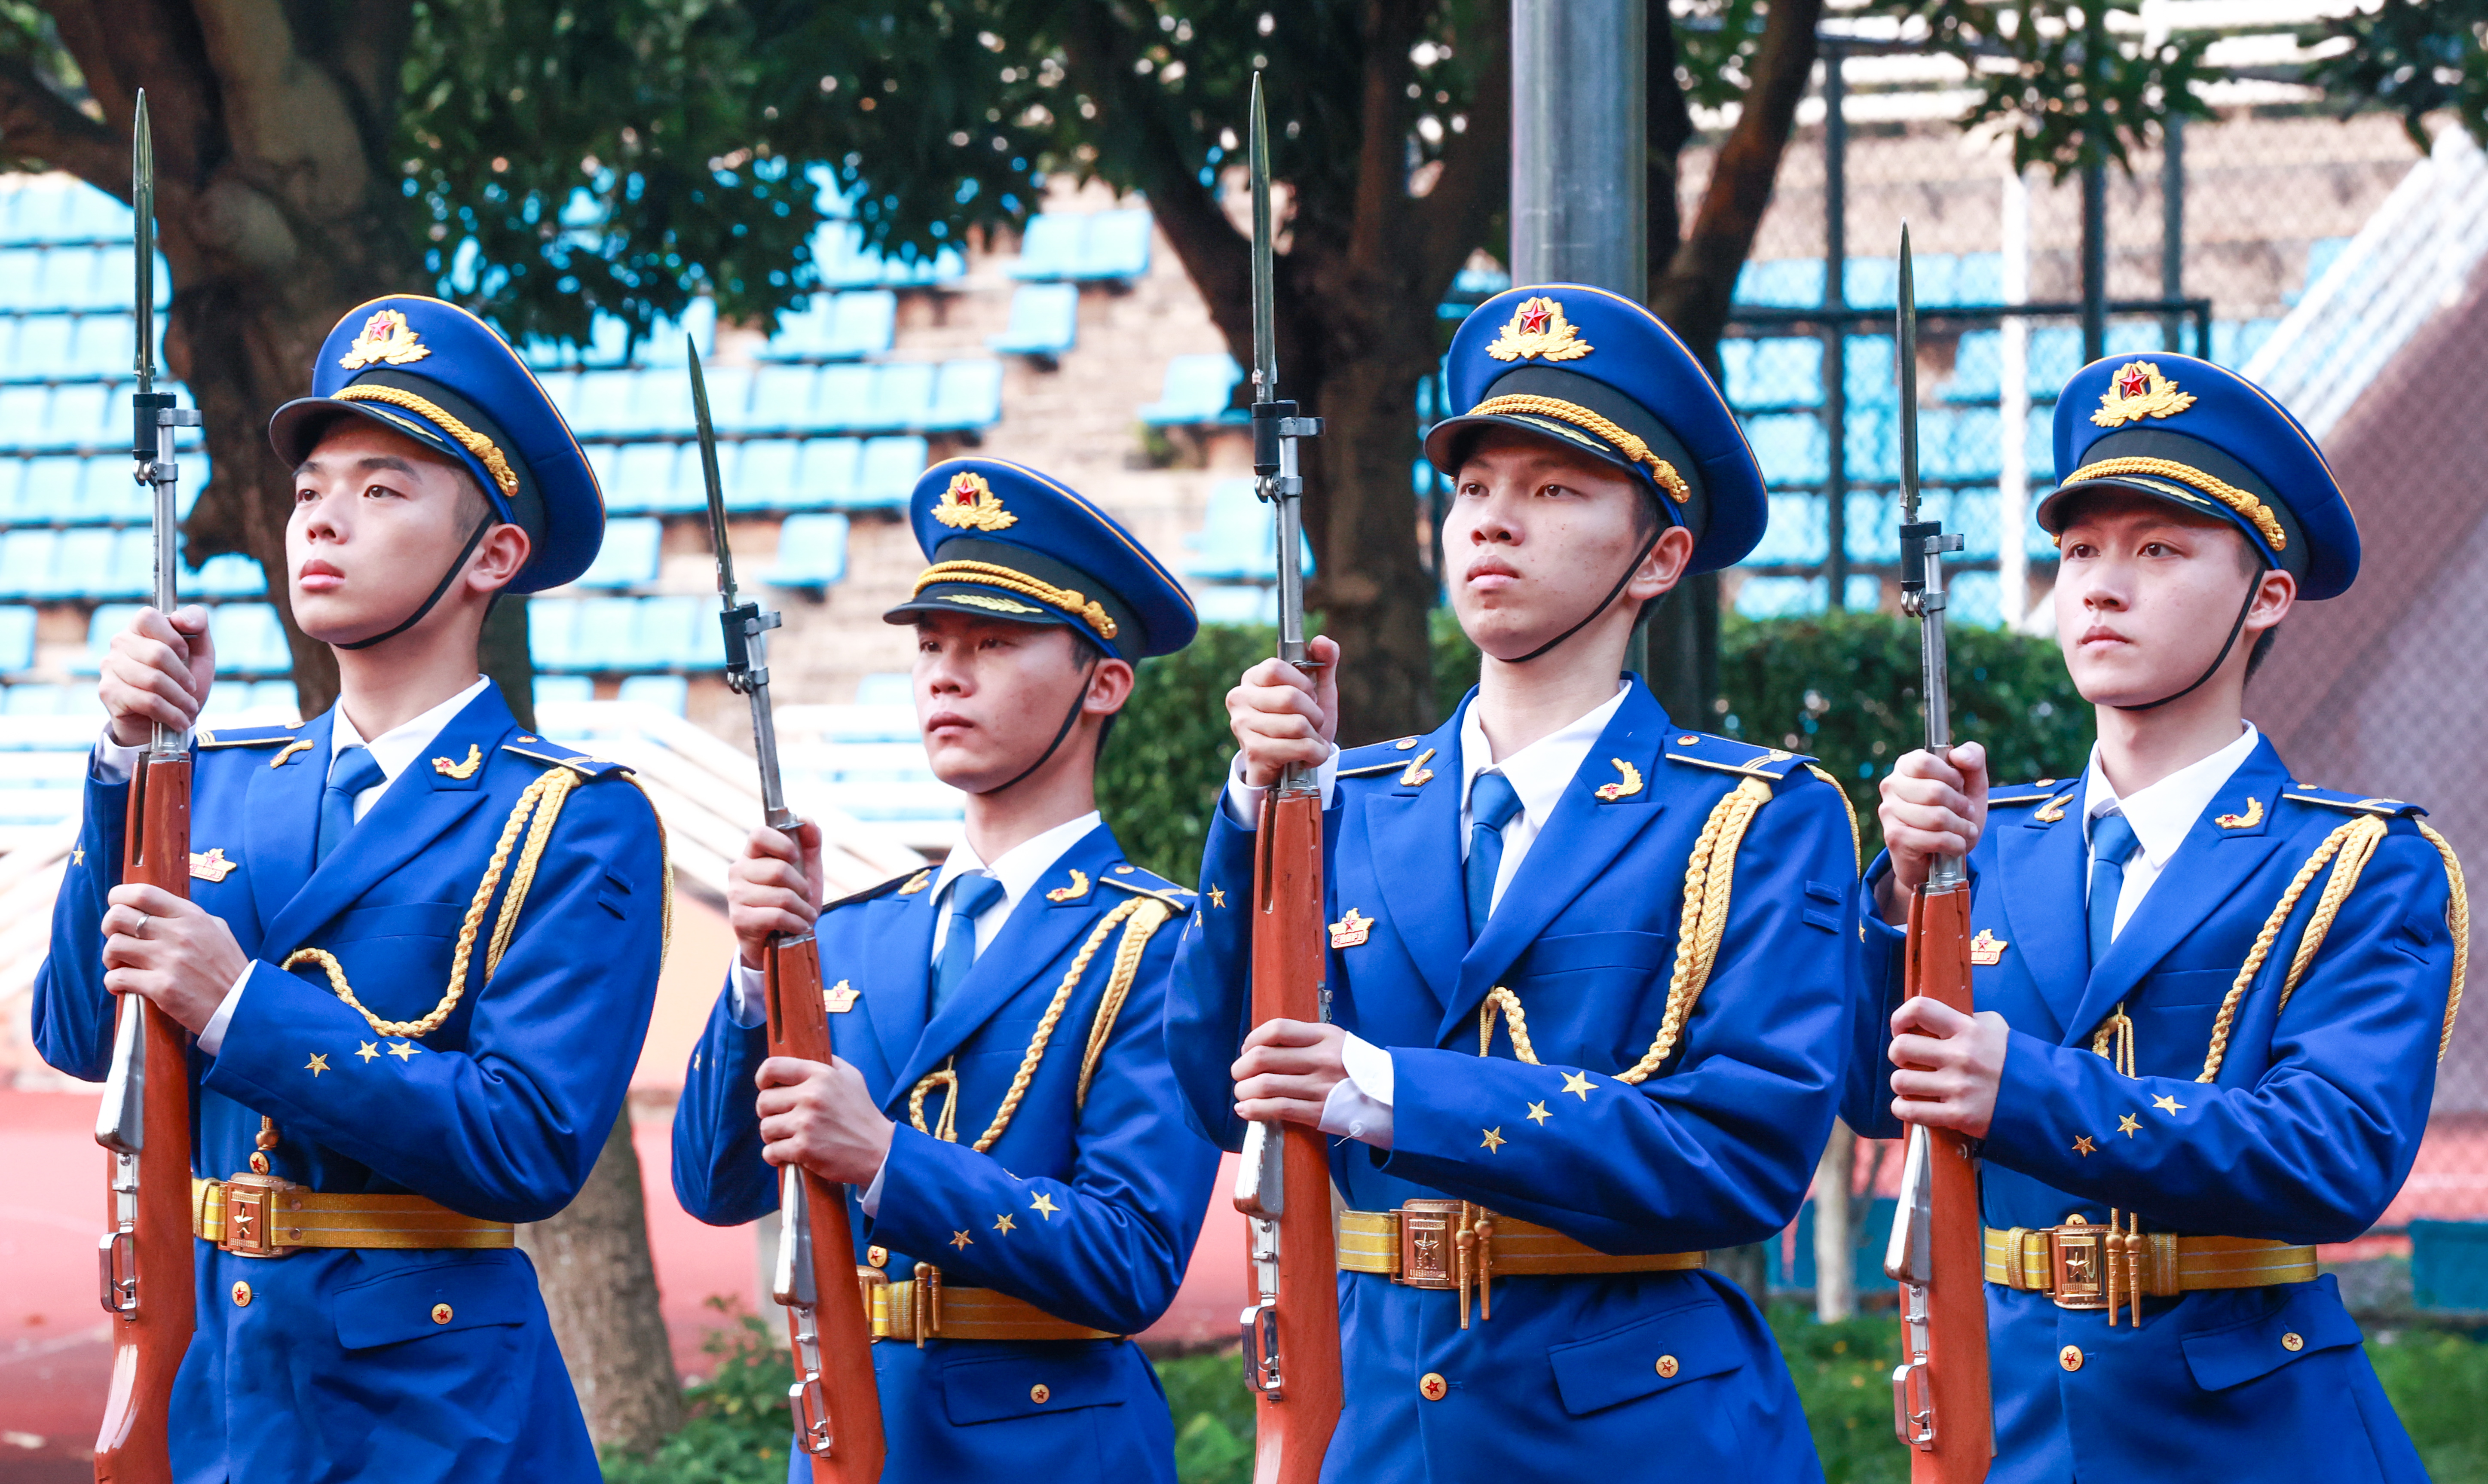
662	396
2234	342
845	396
782	398
249	641
1044	322
1867	372
1783	283
21	267
46	346
1959	443
600	462
968	395
1117	245
2056	354
769	476
1238	539
607	635
812	552
1789	446
40	700
552	627
676	633
837	326
1780	596
88	215
112	281
829	471
1874	444
132	572
24	412
647	478
16	640
54	492
26	562
599	402
1980	279
1975	597
1196	390
1223	604
1783	372
1934	275
729	399
106	345
902	395
109	493
1874	283
1800	533
79	415
629	556
550	689
103	624
229	575
670	694
12	487
843	261
64	278
888	469
1051	248
1977	367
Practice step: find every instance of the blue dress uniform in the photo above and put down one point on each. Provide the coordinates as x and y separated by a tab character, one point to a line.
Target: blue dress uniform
1040	1175
1636	1058
420	1054
2244	1073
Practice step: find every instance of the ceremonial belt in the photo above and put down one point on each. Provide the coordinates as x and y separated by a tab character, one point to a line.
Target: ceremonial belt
2082	1266
924	1307
260	1215
1454	1245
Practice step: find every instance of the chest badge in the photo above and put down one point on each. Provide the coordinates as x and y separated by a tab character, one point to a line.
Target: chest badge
1624	787
2247	820
1986	949
212	866
1351	929
840	997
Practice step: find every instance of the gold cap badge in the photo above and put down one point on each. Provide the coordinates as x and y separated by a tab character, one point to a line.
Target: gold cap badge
385	337
2139	391
971	504
1538	329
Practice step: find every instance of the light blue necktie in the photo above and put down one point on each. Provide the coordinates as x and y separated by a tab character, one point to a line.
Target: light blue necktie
970	897
2113	845
1491	805
351	773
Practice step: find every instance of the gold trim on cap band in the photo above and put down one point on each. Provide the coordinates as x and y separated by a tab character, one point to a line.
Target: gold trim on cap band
2240	500
989	574
482	447
1628	444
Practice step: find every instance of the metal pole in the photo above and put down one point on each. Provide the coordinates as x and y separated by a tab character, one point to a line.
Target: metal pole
2094	195
2172	227
1835	336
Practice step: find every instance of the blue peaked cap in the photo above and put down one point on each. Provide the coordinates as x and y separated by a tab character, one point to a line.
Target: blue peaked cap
1007	541
435	372
2202	437
1598	373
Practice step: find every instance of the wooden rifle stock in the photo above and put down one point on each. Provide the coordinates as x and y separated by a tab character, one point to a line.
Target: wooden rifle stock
1292	1332
1951	1381
150	1280
836	1397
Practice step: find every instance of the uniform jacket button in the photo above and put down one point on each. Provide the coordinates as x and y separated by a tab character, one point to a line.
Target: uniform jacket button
242	1295
440	1313
1432	1387
1666	1367
2293	1340
1041	1393
2070	1358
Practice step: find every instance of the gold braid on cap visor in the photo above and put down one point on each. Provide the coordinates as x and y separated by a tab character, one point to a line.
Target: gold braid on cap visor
2240	500
1581	417
988	575
482	447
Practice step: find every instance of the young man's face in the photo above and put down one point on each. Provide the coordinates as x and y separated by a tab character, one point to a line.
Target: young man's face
990	696
1537	533
376	519
2146	593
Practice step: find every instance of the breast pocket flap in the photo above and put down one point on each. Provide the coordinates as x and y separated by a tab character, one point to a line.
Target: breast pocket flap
1048	1378
2312	1320
1594	950
399	920
1646	1357
433	1301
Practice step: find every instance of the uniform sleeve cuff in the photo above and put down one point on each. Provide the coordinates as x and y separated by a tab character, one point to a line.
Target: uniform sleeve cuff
211	1036
1242	800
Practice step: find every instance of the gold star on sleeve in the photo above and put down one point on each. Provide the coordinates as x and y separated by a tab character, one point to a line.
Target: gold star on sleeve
1043	1205
78	858
2166	1104
368	1051
1578	1084
1493	1140
1217	896
1537	1113
318	1063
2083	1146
2127	1123
404	1050
1003	1222
961	1240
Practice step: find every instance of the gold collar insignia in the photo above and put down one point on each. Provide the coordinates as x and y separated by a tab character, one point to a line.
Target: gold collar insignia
1078	888
460	770
1622	788
2247	820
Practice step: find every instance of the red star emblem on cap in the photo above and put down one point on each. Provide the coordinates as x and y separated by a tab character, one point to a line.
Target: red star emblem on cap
2131	381
1532	319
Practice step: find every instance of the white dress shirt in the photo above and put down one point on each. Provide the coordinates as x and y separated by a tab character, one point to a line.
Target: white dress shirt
2162	815
1019	868
1360	1107
394	751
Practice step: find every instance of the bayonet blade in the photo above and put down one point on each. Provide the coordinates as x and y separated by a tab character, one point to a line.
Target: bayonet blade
1905	347
142	232
1265	340
708	474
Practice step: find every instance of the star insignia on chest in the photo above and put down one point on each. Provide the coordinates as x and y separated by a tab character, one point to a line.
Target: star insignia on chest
318	1064
404	1050
1537	1113
1217	897
212	866
77	857
2127	1123
1578	1084
1005	1221
368	1051
1493	1140
840	998
961	1240
1351	929
2166	1104
2083	1146
1043	1205
1986	949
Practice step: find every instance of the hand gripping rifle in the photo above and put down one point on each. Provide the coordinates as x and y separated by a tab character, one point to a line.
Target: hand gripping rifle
1940	1396
1291	1330
148	1282
836	1404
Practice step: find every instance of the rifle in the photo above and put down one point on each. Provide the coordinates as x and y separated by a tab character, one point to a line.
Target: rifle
149	1286
1292	1329
1939	1391
835	1401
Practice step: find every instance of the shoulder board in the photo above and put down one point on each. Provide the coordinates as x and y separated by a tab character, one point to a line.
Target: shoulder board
1147	884
882	890
553	754
1700	749
2353	803
2038	793
247	736
1378	758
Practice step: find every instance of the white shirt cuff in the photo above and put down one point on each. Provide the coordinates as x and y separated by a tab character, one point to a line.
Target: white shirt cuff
113	763
1360	1107
1244	801
211	1036
746	995
871	1198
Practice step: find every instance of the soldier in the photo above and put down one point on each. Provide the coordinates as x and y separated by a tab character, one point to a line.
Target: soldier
2211	998
1014	995
1555	1033
402	1048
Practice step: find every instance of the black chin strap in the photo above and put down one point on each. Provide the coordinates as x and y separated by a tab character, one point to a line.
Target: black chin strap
1630	568
2221	659
1078	702
474	540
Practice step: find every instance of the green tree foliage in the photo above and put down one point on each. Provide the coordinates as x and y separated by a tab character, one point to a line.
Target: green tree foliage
2410	57
738	1428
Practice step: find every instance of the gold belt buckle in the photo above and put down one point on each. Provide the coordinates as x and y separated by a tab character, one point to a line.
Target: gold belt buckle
1428	1230
254	1207
2078	1265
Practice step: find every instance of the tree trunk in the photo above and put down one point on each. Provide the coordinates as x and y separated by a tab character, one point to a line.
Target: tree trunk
1748	1267
1373	591
599	1286
1835	1247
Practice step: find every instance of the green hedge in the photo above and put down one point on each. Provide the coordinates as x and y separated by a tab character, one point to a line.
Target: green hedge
1843	688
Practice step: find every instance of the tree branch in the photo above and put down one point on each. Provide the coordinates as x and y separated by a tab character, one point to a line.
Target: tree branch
1476	178
37	123
1694	296
1382	134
